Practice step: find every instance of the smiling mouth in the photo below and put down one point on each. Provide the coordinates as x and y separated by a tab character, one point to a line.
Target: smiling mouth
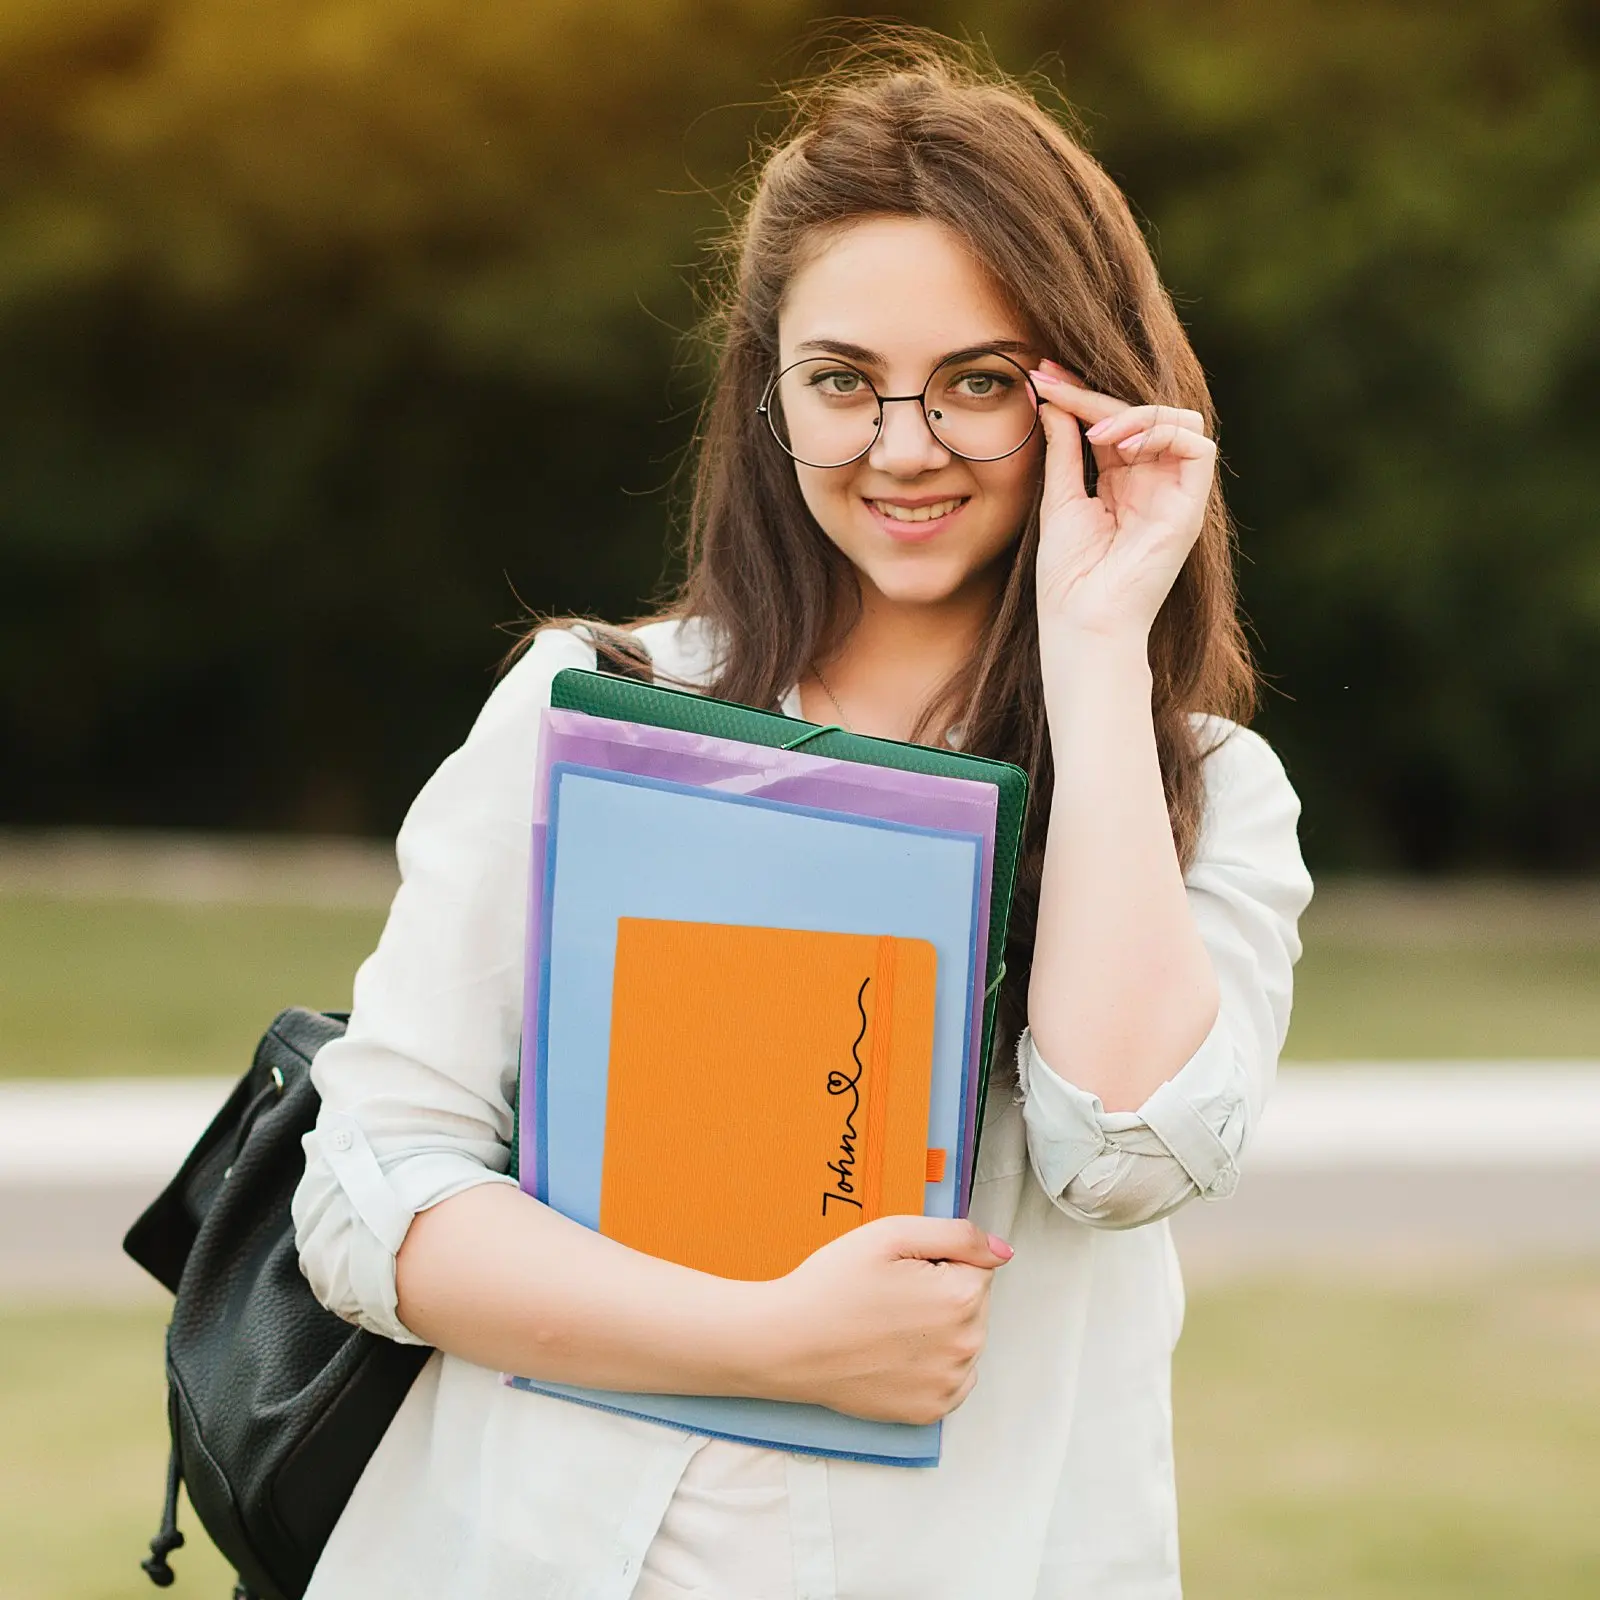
928	513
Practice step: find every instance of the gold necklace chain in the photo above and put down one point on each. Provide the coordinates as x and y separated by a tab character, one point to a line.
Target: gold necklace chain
844	721
952	735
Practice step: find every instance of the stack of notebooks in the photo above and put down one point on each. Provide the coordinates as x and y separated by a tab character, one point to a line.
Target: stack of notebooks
763	960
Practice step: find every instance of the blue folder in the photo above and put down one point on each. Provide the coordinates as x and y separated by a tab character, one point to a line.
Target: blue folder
620	846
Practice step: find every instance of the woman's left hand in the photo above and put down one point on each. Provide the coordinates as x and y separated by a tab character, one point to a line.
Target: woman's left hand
1106	561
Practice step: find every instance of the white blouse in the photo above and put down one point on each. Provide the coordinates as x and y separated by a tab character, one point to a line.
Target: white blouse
1056	1478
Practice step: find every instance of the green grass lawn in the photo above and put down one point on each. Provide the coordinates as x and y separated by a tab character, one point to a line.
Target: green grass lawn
83	1460
108	987
1336	1441
1379	1002
102	988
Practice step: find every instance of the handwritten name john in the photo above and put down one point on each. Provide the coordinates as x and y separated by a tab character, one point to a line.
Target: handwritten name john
843	1187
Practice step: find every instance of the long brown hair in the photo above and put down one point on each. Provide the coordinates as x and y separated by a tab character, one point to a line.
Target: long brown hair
909	124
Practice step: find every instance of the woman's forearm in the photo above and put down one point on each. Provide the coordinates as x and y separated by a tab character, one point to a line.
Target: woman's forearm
497	1278
1122	991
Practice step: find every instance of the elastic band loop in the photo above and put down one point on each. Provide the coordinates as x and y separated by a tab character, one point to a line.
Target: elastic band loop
812	733
999	978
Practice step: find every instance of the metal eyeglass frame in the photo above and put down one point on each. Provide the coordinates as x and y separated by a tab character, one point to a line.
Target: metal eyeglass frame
765	408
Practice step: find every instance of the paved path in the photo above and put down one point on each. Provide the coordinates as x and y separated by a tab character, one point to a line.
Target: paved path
1406	1164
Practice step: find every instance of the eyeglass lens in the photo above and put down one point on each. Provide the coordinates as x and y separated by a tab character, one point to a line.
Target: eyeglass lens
825	413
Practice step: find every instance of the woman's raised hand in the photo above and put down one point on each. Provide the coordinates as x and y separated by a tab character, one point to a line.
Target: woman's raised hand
1107	560
888	1320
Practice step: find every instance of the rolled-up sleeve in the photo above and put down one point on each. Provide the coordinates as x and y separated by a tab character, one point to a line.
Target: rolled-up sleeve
1247	888
418	1094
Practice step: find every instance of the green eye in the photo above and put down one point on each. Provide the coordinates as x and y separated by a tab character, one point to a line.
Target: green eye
838	381
983	385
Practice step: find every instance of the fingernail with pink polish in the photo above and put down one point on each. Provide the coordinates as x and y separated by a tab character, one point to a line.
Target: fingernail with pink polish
1000	1247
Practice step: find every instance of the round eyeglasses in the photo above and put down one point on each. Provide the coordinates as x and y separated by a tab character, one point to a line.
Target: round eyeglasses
979	405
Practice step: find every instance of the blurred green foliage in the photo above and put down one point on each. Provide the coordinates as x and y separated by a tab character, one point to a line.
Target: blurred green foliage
330	328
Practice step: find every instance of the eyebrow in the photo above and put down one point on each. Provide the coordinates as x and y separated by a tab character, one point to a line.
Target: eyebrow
870	358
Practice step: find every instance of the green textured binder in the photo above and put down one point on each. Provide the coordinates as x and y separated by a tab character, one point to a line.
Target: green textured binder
627	700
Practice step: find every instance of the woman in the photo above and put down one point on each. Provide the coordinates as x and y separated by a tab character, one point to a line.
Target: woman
935	298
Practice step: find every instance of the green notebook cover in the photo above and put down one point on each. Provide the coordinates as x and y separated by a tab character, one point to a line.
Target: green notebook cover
601	694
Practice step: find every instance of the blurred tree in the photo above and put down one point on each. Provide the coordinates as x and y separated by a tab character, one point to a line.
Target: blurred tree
324	324
326	330
1383	222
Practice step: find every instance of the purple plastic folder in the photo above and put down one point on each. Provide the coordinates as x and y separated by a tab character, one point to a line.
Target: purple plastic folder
732	766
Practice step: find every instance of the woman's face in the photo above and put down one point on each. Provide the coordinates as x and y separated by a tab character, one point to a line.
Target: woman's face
894	296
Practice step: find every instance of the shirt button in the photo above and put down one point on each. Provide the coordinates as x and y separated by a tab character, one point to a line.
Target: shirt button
340	1139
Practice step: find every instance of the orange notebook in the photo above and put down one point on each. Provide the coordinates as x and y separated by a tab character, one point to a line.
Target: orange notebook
767	1090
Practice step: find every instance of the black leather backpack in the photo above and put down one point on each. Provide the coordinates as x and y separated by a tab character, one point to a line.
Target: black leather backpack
275	1404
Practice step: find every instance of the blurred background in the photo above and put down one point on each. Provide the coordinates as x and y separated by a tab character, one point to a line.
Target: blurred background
337	335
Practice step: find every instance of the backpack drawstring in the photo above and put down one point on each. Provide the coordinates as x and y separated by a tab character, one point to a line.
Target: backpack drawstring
168	1539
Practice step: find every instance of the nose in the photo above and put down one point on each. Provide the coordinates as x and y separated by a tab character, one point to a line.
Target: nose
905	445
